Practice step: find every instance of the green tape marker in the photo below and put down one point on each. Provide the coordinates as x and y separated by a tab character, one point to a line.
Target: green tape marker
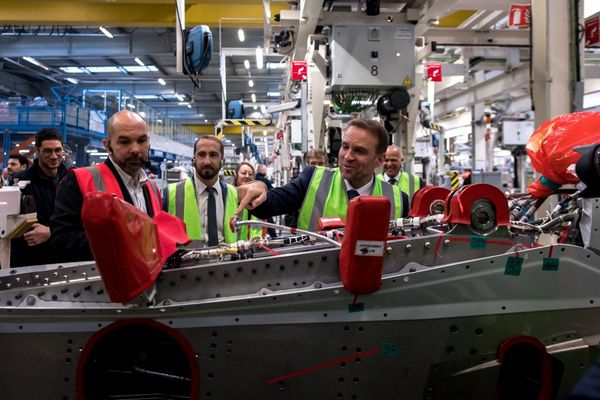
478	243
513	266
550	264
389	349
356	307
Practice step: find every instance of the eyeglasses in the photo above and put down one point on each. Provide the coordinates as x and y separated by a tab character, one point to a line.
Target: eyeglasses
48	151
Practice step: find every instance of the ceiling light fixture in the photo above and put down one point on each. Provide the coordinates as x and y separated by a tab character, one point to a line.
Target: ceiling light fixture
179	97
162	81
35	62
241	35
106	32
251	83
259	58
73	81
253	96
246	64
140	62
189	106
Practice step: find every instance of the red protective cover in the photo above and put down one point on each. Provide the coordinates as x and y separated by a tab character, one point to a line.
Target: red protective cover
125	245
458	204
550	148
325	223
171	232
363	248
424	198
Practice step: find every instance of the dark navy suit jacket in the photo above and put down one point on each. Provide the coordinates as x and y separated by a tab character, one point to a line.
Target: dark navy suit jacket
289	197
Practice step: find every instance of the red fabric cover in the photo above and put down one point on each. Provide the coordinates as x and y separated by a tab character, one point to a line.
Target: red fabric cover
171	232
423	198
367	226
550	148
458	203
125	244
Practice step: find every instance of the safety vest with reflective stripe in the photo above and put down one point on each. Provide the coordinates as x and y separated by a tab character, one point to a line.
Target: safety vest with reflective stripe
99	178
326	197
408	183
182	203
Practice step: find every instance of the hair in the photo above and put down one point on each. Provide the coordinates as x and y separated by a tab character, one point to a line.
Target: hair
374	128
21	158
212	139
316	153
237	170
46	134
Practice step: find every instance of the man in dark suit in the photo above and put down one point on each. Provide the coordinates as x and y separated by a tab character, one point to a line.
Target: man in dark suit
324	192
127	144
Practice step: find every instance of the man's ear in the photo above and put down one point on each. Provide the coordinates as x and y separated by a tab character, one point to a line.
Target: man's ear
379	160
107	146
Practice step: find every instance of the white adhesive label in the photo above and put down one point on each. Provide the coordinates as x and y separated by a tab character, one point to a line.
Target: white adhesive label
369	248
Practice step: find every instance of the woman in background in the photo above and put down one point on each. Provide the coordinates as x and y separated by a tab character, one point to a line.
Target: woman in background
244	173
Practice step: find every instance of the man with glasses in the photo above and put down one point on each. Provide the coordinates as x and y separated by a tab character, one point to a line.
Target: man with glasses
128	146
43	176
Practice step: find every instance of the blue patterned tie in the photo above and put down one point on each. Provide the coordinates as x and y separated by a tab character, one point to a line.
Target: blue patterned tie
392	181
352	194
211	212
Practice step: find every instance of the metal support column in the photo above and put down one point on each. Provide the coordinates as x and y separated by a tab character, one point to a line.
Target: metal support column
550	59
479	143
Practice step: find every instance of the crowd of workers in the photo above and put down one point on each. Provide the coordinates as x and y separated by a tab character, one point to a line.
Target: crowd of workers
204	201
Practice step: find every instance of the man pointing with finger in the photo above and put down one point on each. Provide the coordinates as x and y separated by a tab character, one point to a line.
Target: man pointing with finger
325	192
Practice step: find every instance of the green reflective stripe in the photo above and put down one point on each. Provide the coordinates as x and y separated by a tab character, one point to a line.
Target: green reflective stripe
230	207
179	199
309	198
191	216
97	177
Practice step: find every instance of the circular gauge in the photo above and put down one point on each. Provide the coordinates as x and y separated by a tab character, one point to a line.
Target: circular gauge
437	207
137	359
483	217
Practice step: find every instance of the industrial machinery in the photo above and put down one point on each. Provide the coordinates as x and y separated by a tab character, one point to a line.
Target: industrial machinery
444	304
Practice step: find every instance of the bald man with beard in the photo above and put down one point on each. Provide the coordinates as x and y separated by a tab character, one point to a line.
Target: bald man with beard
127	144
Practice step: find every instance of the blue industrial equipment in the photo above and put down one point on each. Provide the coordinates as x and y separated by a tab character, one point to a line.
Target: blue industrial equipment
198	49
235	109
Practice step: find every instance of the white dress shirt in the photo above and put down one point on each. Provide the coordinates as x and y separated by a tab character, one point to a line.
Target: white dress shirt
387	178
135	190
363	190
202	200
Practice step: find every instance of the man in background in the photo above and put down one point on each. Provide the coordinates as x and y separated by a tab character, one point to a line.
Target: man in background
43	176
17	163
394	175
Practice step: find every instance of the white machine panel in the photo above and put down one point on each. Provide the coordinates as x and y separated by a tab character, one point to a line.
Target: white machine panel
516	132
372	56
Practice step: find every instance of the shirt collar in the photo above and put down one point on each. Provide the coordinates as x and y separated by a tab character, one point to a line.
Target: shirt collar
201	187
126	178
387	177
363	190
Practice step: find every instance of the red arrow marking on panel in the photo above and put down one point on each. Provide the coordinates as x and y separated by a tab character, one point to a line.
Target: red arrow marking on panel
323	365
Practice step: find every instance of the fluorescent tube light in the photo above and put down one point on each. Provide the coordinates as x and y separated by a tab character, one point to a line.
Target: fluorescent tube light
106	32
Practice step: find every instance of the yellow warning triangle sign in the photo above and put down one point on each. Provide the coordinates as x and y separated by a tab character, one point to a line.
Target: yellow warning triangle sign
407	81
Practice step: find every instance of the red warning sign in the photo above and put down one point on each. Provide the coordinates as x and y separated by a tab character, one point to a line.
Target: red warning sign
299	70
434	72
519	15
592	31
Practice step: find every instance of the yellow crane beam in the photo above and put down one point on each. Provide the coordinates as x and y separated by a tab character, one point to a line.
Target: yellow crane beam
132	13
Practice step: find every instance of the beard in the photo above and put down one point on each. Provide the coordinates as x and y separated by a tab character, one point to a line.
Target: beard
207	172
